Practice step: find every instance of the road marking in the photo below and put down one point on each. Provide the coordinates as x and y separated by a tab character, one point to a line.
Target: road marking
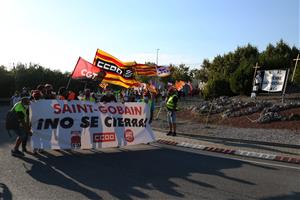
264	163
223	156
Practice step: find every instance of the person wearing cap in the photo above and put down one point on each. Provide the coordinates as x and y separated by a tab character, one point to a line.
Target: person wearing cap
22	128
147	98
171	104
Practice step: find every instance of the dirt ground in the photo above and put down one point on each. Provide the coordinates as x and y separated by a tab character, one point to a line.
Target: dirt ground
243	121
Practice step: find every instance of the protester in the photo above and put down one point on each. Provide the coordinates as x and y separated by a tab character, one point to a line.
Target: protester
62	93
137	95
72	96
108	97
80	96
148	99
24	92
171	104
164	94
35	95
15	98
88	96
42	90
49	92
21	127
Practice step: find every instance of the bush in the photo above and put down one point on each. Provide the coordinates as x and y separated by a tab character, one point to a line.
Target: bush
217	87
241	79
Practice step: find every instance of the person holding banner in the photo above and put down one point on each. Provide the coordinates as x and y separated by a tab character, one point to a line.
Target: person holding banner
62	93
146	98
87	96
20	125
49	92
171	104
108	97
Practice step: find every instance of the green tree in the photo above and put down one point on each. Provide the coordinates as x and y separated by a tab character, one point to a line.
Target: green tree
241	79
218	86
181	73
7	82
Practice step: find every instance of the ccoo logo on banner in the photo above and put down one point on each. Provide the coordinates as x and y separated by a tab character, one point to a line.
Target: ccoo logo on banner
273	80
59	124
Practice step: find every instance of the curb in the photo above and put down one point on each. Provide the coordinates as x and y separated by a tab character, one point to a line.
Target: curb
264	156
295	146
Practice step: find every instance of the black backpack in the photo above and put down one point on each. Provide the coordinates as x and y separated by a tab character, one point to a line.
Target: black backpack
11	120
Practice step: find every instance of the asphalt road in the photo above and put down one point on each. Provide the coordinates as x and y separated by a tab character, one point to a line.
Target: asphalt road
142	172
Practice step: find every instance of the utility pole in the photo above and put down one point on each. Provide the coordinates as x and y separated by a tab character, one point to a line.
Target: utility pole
298	58
157	56
155	78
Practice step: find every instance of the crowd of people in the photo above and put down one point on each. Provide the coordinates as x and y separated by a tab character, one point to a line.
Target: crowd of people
106	95
20	102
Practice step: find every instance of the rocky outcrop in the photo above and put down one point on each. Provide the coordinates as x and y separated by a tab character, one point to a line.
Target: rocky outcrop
234	107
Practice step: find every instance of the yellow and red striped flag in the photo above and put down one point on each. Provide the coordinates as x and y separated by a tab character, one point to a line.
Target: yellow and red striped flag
117	72
145	70
122	73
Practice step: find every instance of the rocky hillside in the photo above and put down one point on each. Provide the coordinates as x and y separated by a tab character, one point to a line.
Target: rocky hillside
264	112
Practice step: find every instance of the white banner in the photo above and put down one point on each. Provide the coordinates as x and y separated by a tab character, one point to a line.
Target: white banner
273	80
59	124
163	71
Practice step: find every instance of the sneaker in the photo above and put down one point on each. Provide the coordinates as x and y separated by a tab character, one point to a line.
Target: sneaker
169	133
174	134
17	153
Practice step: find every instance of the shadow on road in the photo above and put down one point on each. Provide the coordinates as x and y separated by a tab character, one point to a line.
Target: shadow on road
123	174
5	193
293	196
4	137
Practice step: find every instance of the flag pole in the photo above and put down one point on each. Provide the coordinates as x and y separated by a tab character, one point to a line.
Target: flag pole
68	84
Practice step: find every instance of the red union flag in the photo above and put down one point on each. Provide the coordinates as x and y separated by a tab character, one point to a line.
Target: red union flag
84	69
